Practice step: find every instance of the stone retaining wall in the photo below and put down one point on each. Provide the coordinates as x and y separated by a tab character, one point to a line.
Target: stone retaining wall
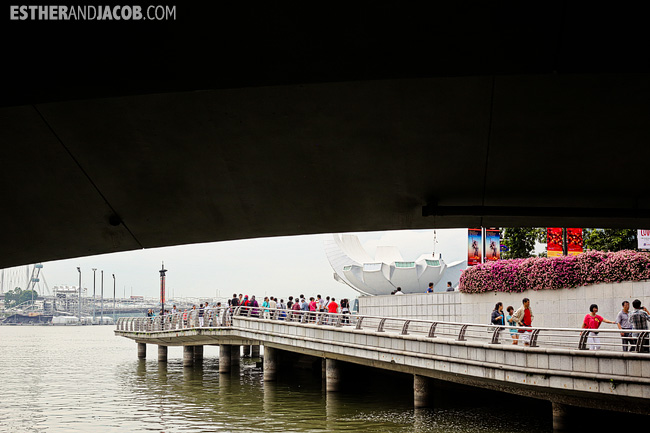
564	308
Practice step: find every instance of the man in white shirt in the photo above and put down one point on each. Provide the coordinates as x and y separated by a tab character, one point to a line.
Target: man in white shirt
399	291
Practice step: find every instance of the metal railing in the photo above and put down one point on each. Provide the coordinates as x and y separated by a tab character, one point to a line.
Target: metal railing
177	321
559	338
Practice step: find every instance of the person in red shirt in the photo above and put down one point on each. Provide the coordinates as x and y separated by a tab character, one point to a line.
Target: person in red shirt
333	307
593	321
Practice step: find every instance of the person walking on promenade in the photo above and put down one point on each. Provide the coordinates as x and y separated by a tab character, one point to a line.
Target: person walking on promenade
265	306
254	305
430	288
282	306
399	291
510	320
201	313
450	288
623	322
345	310
497	315
290	302
313	308
185	318
295	310
592	321
639	319
524	317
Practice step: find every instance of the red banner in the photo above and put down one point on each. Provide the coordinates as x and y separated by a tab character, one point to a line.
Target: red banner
574	241
553	242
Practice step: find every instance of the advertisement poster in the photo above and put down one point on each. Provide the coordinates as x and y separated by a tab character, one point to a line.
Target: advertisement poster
492	244
474	247
574	241
643	237
554	242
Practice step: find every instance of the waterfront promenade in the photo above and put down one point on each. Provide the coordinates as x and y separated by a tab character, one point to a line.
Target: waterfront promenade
555	367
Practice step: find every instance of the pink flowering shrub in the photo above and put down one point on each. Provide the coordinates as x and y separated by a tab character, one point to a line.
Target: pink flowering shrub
540	273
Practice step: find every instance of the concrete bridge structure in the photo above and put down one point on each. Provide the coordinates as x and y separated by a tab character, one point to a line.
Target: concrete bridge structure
555	367
238	121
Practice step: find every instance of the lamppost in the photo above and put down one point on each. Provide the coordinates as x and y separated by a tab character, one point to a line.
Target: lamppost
113	298
79	269
162	287
102	299
94	269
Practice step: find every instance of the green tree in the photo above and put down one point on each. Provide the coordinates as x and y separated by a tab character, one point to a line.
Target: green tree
521	241
610	239
17	296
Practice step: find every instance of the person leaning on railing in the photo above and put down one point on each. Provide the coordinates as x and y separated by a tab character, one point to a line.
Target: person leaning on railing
593	321
623	322
524	317
639	319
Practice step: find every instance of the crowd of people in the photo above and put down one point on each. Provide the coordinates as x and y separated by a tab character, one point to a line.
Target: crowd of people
212	315
519	321
627	322
429	289
297	305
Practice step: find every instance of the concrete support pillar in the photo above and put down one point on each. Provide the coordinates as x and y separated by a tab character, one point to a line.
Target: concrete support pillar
333	375
255	351
421	391
162	353
235	356
198	353
142	350
270	364
246	351
188	356
224	358
561	416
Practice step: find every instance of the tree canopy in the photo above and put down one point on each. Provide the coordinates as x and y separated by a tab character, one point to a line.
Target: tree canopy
610	239
17	296
521	241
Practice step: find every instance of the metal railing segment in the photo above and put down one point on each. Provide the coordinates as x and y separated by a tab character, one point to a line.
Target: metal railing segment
558	338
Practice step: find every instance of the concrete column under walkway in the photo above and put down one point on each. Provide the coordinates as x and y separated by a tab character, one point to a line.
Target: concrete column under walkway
235	356
162	353
270	364
561	416
421	391
255	351
188	356
198	353
142	350
247	351
224	358
333	375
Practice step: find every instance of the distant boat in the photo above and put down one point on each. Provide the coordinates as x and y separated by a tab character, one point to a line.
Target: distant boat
385	272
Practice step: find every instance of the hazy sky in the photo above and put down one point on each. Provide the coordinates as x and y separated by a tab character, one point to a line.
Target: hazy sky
279	266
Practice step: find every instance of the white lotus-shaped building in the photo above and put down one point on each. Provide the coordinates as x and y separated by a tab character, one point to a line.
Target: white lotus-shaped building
385	272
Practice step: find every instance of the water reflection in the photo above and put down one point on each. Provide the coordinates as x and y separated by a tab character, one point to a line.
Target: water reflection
95	383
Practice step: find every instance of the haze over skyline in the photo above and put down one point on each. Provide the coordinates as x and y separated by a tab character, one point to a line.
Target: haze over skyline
280	266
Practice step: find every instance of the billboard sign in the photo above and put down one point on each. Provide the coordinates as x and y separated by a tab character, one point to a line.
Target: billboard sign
474	247
554	242
492	244
574	241
643	238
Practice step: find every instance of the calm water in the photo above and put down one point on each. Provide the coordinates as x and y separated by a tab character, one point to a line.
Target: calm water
84	379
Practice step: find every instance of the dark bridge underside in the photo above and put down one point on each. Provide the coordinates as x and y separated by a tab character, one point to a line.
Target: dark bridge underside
247	121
